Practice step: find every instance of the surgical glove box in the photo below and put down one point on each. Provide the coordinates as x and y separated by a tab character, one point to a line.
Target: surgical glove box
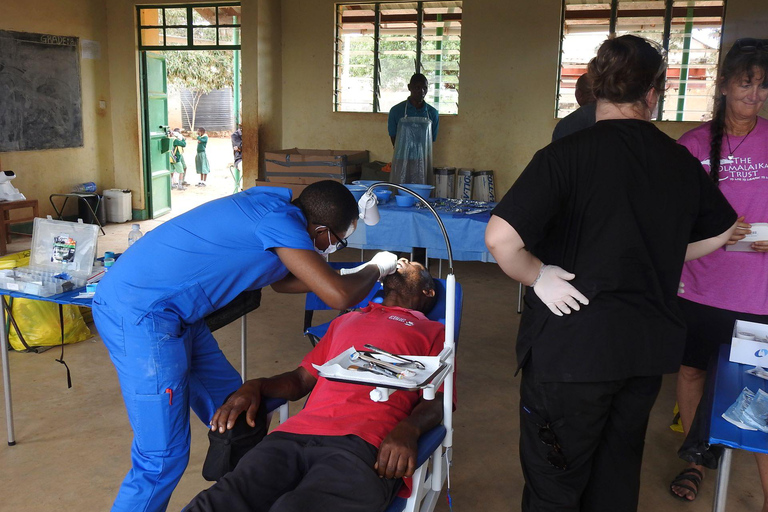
749	344
61	258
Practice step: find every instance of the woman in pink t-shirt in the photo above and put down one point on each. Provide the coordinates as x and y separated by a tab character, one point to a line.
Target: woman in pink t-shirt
727	285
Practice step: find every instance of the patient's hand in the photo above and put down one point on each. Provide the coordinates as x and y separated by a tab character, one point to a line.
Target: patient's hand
247	398
398	451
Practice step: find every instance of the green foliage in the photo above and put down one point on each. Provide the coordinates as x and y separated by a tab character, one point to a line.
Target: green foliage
201	71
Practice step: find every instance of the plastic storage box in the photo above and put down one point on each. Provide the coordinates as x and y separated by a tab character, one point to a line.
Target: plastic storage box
61	258
117	203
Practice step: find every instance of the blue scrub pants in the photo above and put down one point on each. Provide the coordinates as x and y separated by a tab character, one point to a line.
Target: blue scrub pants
164	368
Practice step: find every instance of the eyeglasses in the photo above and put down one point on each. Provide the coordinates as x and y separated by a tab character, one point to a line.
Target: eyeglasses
342	242
555	457
751	45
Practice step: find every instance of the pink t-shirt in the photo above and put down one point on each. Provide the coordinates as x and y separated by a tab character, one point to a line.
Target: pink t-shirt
736	281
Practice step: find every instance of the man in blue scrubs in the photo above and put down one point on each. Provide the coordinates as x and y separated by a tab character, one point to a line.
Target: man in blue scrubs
151	315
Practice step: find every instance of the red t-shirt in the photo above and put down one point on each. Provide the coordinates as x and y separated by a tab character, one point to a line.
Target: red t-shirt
338	408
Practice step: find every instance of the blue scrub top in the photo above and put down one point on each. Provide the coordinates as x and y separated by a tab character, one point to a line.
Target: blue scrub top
397	112
200	261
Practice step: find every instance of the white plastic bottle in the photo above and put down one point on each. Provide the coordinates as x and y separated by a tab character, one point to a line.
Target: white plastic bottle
134	235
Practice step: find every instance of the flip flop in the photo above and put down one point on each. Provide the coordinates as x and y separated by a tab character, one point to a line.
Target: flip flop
692	475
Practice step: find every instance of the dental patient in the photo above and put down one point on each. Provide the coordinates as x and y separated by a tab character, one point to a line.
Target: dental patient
342	452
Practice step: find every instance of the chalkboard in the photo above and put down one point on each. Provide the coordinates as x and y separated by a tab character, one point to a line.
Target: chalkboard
40	98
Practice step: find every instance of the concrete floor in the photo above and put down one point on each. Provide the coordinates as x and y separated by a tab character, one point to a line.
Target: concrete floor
73	444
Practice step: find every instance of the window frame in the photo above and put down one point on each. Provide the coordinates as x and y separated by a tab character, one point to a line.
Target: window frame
376	89
189	26
669	13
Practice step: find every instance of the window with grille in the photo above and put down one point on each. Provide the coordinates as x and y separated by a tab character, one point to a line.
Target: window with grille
380	45
190	27
689	30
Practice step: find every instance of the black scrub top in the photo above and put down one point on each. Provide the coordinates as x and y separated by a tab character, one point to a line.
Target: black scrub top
616	204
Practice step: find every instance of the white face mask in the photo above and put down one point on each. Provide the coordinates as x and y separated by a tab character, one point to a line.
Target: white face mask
328	250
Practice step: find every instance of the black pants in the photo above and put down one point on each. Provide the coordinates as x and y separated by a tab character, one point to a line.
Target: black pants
298	473
600	432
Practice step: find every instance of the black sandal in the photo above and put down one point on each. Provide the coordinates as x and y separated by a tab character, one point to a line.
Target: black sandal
692	475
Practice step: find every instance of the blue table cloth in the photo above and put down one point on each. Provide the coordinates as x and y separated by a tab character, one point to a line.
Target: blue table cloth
59	298
729	379
401	229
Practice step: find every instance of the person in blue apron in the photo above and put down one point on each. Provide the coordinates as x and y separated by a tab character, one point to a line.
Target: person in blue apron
151	316
412	127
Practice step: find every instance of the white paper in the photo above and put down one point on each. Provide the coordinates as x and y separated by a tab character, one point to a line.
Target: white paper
90	49
759	233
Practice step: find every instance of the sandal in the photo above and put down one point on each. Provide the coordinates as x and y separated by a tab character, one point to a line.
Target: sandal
692	475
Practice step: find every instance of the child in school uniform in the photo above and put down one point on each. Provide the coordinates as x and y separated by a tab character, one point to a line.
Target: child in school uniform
201	159
178	165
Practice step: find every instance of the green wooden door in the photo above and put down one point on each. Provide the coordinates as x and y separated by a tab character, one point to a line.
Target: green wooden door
156	156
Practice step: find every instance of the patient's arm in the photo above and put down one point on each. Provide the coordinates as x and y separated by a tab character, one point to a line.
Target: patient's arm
289	386
398	451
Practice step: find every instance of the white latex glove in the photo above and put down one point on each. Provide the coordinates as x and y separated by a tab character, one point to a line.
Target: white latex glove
386	261
353	270
554	290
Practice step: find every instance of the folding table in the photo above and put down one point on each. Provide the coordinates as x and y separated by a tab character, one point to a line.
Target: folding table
727	382
238	308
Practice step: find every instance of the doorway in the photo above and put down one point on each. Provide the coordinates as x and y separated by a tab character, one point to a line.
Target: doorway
197	46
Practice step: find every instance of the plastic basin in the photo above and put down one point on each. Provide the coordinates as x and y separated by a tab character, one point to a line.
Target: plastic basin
382	194
357	190
366	183
423	190
405	200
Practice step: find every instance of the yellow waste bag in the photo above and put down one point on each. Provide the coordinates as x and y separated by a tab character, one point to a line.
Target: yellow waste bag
17	259
39	324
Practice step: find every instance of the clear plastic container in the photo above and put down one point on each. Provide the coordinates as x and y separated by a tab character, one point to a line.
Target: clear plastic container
134	235
61	258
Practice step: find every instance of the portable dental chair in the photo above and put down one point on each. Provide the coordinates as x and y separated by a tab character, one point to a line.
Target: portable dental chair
434	451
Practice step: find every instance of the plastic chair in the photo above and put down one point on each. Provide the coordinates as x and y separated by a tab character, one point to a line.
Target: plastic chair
434	451
435	446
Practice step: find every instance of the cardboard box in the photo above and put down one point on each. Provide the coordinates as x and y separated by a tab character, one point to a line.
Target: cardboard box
305	166
749	344
297	189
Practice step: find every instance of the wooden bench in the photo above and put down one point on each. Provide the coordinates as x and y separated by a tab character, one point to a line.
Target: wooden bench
5	225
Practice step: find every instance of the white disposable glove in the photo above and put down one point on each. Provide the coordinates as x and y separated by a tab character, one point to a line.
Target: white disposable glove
554	290
386	261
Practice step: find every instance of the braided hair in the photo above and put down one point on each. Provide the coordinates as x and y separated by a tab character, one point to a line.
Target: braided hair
736	64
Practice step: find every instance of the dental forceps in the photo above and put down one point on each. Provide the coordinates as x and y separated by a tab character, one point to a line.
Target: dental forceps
405	363
396	371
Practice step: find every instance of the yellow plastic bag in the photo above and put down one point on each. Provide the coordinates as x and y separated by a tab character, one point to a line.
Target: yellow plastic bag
39	324
37	320
17	259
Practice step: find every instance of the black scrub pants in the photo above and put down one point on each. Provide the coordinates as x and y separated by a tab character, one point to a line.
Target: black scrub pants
301	473
600	433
